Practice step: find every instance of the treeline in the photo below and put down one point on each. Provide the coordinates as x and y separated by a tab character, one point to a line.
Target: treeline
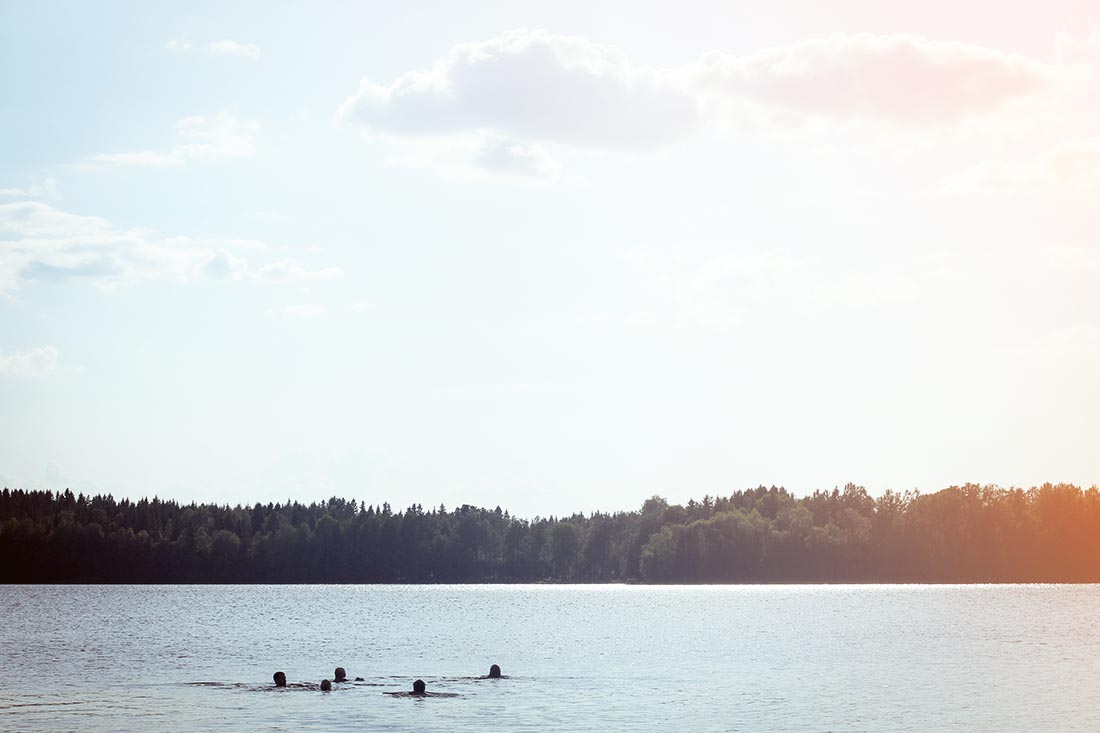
965	533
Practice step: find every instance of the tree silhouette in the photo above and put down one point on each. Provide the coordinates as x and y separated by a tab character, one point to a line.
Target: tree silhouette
968	533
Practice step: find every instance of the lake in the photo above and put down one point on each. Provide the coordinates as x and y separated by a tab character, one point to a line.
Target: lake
589	657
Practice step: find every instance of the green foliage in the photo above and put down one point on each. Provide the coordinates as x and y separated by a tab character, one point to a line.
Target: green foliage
965	533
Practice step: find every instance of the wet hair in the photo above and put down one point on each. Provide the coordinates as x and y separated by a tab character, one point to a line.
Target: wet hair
418	687
340	674
494	671
280	679
325	685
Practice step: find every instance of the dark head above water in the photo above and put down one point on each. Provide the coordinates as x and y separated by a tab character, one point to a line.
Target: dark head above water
494	672
280	679
340	675
419	687
325	685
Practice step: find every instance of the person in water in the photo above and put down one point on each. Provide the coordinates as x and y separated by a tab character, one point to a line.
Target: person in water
341	675
280	679
326	686
494	672
420	690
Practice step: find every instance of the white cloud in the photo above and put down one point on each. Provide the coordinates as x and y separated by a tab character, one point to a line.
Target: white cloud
33	363
46	189
215	137
200	138
898	79
532	86
289	270
39	242
497	105
477	156
233	48
225	47
225	265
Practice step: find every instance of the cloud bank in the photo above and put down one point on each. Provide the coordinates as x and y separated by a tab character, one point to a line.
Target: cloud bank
530	88
898	79
41	243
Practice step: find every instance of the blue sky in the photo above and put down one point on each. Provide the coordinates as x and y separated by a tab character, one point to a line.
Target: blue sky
552	258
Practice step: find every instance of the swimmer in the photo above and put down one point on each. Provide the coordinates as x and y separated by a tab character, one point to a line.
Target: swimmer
341	675
326	686
494	672
280	679
420	690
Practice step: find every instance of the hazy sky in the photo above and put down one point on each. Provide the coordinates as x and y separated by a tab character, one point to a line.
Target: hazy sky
552	256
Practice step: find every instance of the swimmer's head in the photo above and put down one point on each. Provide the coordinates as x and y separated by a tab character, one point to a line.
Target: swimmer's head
280	679
325	685
418	687
494	671
340	674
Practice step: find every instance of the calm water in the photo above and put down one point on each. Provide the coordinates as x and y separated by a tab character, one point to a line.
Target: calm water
123	658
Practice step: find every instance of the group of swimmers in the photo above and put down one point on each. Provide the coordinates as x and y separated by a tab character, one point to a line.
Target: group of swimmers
419	689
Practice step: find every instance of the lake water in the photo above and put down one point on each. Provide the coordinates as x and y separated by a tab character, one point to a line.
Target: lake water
621	658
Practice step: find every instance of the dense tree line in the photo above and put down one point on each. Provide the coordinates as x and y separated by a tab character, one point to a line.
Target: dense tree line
965	533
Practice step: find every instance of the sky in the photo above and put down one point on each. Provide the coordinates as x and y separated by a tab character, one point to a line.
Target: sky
554	257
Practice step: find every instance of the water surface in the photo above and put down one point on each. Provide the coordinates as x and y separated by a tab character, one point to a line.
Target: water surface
710	658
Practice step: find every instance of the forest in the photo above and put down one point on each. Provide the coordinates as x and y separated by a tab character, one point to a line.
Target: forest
969	533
